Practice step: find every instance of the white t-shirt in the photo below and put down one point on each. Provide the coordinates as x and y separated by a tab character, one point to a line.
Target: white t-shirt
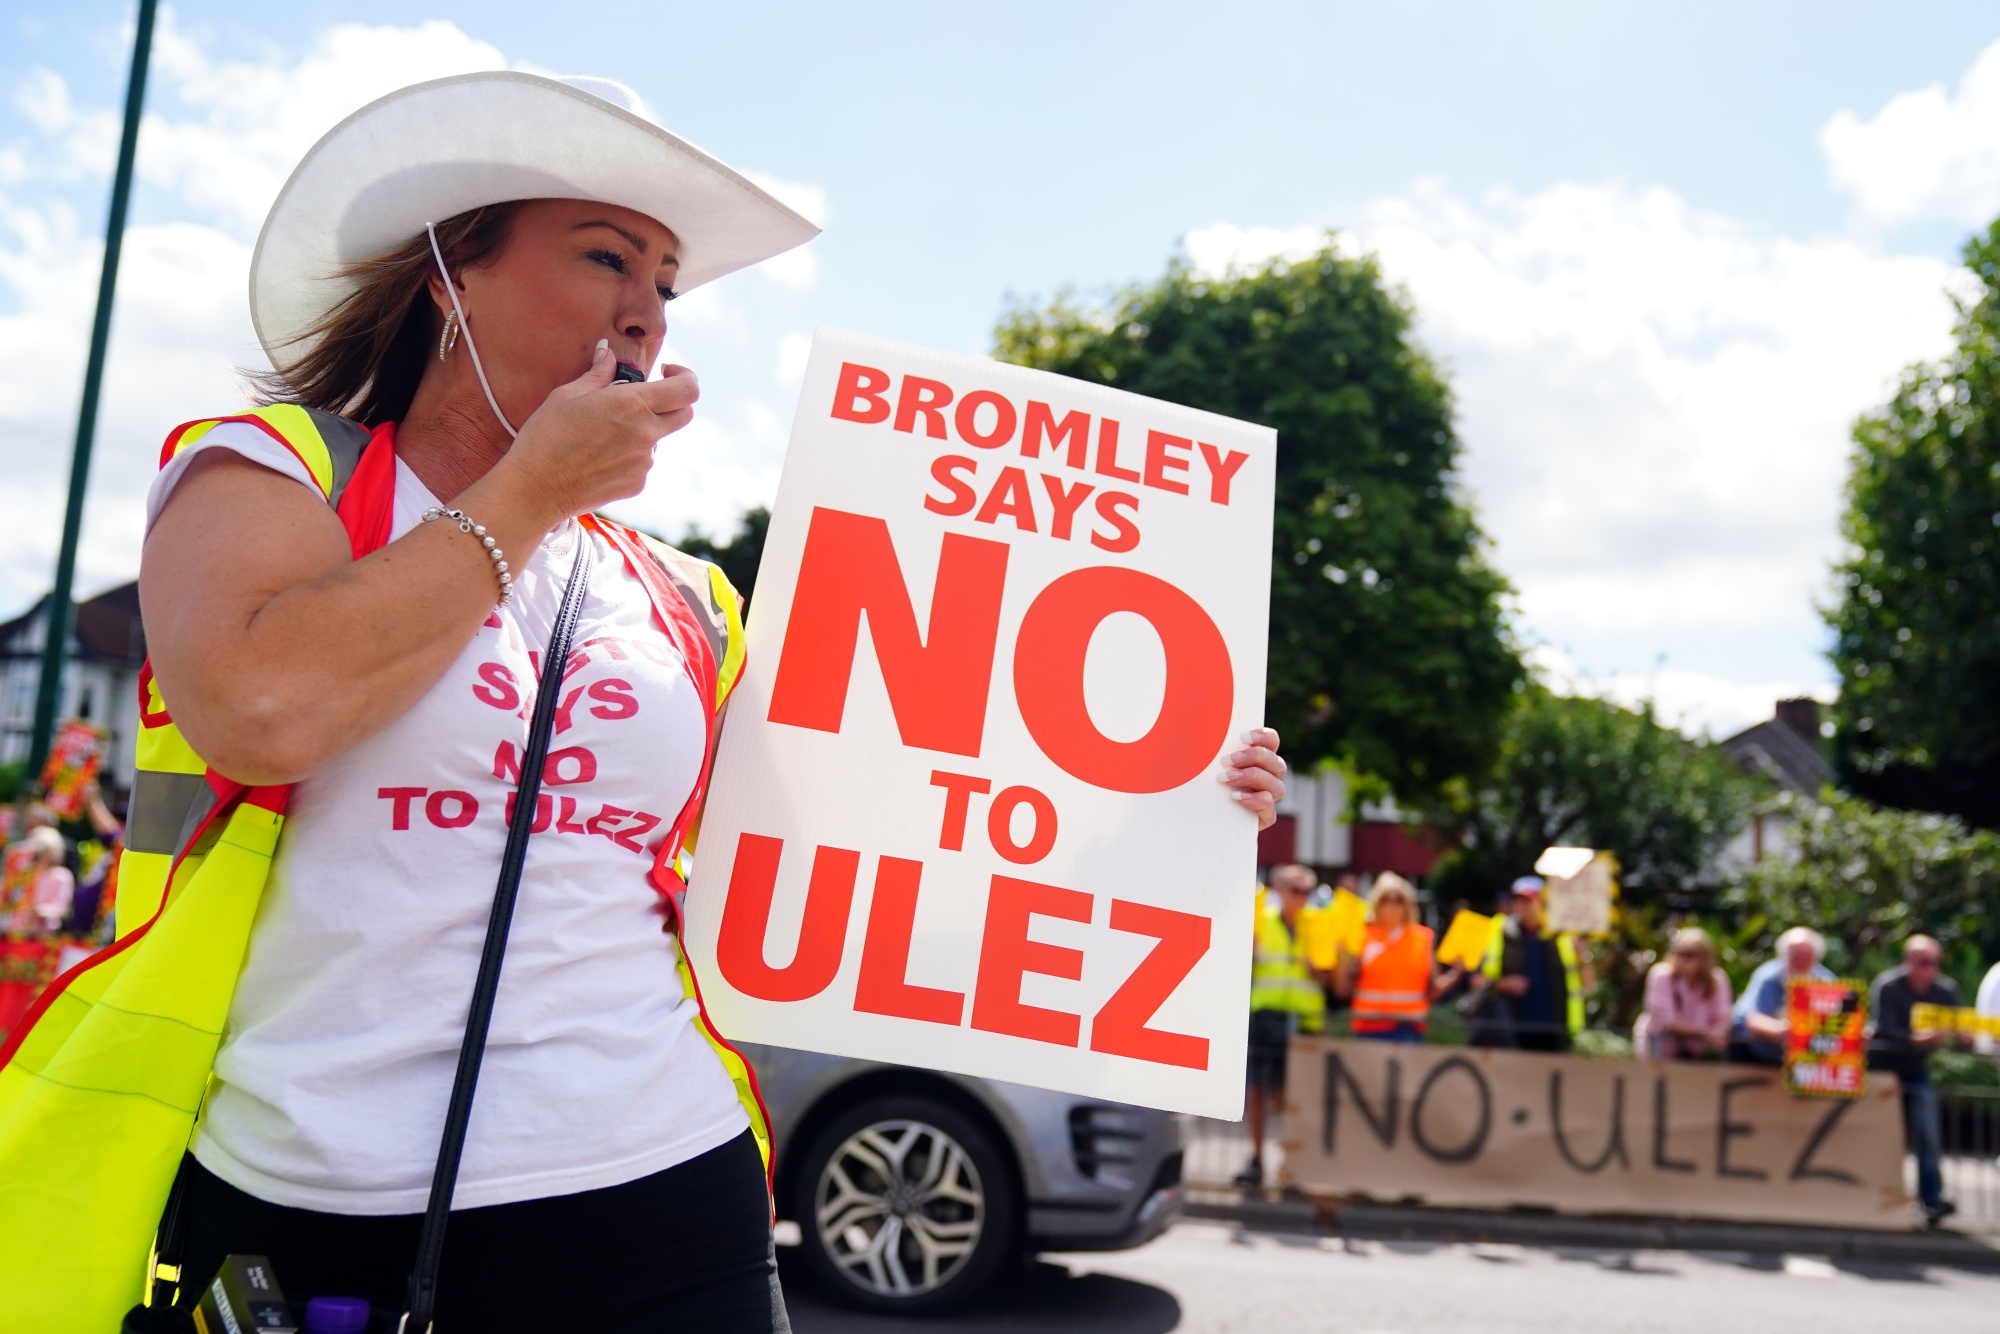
344	1033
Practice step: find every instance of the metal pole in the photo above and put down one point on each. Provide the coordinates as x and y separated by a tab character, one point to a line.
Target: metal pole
56	649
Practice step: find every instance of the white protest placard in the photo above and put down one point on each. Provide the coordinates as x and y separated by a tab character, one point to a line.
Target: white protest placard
965	813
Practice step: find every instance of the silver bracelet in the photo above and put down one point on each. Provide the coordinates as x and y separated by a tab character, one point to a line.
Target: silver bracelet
493	552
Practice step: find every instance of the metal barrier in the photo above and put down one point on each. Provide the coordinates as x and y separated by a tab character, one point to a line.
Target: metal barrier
1970	1120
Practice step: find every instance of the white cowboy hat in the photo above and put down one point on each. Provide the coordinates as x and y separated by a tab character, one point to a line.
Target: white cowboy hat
433	150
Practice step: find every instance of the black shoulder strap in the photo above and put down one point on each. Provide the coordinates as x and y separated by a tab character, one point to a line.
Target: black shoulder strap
422	1298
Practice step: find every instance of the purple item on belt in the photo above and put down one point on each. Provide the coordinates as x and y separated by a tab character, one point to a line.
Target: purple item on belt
336	1315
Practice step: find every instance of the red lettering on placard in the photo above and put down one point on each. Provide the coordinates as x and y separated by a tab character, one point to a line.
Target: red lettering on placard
944	471
399	813
958	790
1120	1026
544	808
1000	825
1010	496
882	986
566	817
1161	459
966	419
1066	502
1107	452
1005	953
858	396
468	808
936	684
1049	652
926	397
614	697
584	766
1220	470
746	916
1124	533
1040	425
500	690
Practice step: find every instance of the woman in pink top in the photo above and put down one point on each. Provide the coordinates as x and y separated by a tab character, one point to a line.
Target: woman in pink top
1687	1002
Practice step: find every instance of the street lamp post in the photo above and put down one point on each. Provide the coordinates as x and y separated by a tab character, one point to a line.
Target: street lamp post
56	648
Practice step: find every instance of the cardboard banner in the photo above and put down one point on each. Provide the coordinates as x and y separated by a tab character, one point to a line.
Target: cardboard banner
1480	1127
1826	1045
965	812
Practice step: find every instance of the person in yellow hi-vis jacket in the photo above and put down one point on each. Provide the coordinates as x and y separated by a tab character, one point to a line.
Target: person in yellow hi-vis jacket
348	591
1287	996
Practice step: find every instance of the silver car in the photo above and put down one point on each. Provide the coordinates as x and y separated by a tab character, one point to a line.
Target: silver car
912	1190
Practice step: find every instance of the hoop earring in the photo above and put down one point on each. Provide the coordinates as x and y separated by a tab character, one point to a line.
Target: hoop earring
448	337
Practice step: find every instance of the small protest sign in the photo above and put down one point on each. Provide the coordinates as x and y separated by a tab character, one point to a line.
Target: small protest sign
1825	1045
965	813
1580	885
1953	1019
1466	940
74	754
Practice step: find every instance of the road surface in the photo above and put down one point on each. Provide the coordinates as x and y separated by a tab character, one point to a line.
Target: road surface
1213	1278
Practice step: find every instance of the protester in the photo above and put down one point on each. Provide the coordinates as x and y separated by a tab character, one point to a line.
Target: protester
1687	1003
1539	977
1987	1005
47	888
1893	1046
379	658
36	889
1393	980
1286	997
1757	1022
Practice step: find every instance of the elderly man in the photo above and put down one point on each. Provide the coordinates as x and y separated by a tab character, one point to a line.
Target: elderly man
1287	996
1758	1025
1543	976
1894	1046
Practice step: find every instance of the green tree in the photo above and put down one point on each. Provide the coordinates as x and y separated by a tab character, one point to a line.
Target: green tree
739	555
1866	877
1917	624
1388	647
1585	772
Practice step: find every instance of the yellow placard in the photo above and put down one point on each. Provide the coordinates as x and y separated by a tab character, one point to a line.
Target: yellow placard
1949	1019
1466	939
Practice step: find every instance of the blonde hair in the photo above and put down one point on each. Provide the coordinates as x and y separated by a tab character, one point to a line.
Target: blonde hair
1694	939
1387	885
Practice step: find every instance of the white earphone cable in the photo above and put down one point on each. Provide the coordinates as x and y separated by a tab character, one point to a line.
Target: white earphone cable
465	330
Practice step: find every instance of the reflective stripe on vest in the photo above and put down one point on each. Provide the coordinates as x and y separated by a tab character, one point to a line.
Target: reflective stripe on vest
1394	984
102	1082
1572	973
1279	977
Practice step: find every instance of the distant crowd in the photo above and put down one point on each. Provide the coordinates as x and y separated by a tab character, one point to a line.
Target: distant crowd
1527	990
58	886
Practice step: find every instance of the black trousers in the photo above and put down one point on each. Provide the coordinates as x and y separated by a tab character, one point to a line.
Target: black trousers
688	1249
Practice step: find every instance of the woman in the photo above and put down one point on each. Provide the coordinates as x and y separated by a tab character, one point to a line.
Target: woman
1687	1002
384	670
1392	981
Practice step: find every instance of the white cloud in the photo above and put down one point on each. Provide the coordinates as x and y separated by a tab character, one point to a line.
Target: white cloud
220	140
1654	403
1698	703
1926	154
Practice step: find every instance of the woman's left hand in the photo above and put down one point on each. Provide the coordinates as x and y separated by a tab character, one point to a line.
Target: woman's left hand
1255	775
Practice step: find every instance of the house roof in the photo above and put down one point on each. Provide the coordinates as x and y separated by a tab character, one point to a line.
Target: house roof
1783	754
107	629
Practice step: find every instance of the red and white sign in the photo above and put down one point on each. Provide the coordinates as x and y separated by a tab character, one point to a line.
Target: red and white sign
966	813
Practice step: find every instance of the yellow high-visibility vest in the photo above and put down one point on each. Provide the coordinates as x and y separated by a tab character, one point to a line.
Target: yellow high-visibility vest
1279	976
102	1083
1572	971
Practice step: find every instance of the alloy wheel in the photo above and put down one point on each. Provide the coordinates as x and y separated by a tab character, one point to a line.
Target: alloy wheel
899	1208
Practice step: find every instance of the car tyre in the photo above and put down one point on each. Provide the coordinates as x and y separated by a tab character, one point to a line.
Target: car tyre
906	1204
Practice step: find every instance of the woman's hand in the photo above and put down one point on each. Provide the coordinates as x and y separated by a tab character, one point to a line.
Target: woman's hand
1255	775
591	442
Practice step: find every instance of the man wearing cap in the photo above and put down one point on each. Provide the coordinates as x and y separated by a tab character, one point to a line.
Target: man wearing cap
1287	996
1542	977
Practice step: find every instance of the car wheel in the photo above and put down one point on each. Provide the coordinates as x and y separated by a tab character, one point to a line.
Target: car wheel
905	1203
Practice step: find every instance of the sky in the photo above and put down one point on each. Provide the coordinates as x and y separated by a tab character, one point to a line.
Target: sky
1664	254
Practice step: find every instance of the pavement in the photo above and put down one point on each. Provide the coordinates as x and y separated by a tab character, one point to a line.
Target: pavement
1230	1277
